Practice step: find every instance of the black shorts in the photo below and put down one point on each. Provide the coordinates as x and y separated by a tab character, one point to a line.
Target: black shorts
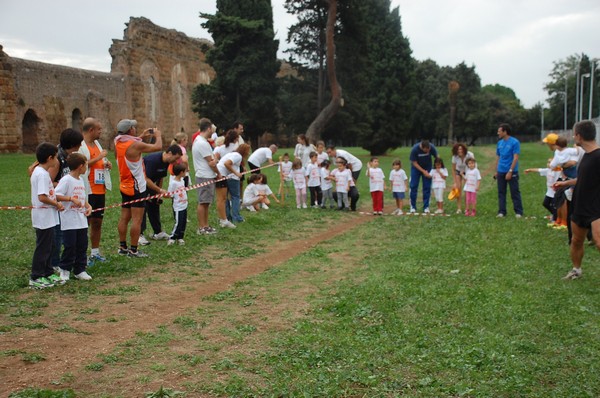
221	184
583	222
255	169
97	201
136	195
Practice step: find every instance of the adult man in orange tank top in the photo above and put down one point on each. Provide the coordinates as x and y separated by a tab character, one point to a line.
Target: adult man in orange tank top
97	181
129	149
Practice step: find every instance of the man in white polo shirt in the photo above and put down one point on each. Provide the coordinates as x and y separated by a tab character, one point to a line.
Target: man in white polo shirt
205	167
260	156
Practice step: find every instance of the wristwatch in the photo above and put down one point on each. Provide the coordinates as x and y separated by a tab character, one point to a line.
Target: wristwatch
510	170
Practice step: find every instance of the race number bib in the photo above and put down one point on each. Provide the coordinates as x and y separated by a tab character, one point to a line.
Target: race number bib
99	176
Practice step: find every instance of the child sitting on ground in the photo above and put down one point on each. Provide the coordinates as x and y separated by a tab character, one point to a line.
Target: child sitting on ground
180	204
73	221
251	199
263	190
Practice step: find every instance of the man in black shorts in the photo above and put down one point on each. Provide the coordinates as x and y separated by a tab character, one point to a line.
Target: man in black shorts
586	194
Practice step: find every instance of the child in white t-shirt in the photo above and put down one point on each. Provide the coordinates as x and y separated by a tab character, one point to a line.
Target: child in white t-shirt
321	154
472	183
438	183
180	204
251	199
44	217
284	169
326	185
263	191
313	181
399	185
551	177
73	221
299	178
343	181
376	185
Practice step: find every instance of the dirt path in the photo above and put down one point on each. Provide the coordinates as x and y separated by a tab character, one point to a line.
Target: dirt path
160	302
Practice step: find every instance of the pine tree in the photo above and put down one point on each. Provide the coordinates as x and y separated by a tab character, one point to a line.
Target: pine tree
244	57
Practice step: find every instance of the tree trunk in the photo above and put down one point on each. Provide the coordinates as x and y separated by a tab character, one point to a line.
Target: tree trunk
313	133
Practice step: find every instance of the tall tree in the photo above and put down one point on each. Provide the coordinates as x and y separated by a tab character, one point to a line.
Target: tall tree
564	79
244	57
313	132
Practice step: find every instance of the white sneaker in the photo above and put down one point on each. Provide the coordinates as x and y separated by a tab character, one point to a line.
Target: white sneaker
395	212
459	211
573	274
304	206
83	276
180	242
264	206
518	216
439	211
426	210
170	242
500	215
142	241
412	210
161	236
400	212
64	274
226	224
250	208
298	207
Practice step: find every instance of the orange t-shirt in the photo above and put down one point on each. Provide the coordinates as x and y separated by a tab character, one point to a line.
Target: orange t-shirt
96	175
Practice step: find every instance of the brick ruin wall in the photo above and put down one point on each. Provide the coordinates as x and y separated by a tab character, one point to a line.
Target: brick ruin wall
153	74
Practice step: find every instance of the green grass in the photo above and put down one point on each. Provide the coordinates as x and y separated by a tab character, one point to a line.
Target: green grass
401	306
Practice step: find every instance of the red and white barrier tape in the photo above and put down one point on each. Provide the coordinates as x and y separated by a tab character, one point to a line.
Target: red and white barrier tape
160	195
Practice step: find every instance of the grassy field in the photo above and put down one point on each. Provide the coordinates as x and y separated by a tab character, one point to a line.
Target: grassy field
396	306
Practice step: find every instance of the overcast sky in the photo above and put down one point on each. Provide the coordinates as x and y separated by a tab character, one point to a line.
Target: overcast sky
510	42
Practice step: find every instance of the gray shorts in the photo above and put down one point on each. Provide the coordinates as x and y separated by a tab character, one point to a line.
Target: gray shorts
206	193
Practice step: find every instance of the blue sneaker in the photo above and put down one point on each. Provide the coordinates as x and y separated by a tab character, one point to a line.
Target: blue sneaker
94	258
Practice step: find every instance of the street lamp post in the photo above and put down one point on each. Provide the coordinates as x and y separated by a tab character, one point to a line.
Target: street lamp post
585	75
564	94
593	72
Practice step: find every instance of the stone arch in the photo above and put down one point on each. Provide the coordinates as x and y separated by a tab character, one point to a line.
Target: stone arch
150	77
76	119
179	92
31	126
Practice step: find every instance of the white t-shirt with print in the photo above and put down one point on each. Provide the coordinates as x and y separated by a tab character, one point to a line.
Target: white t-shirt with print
180	199
325	183
299	178
343	180
376	178
398	179
471	178
72	217
285	168
43	216
314	177
437	180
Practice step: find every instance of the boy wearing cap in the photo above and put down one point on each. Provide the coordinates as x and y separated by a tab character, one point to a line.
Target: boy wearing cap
129	149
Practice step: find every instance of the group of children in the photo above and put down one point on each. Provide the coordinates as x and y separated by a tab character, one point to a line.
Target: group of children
559	168
319	180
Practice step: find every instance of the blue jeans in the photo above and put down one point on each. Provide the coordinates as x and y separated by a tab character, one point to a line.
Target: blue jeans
232	206
415	175
515	194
